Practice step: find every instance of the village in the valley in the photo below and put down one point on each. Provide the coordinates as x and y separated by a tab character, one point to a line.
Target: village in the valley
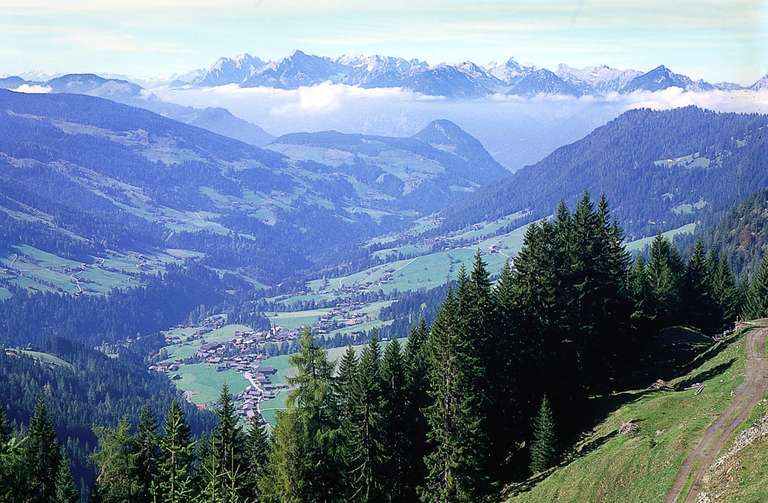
247	350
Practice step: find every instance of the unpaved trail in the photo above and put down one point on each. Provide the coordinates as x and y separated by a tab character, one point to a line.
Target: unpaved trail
746	396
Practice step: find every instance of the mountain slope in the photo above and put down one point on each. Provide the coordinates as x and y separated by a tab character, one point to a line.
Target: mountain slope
89	187
610	466
436	166
217	120
742	235
661	78
660	170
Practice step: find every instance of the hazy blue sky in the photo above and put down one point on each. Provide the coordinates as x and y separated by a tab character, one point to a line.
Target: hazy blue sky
715	40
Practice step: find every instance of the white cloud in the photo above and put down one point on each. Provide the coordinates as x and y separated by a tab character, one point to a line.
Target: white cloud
32	88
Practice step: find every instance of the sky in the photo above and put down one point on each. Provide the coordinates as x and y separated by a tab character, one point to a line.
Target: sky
718	40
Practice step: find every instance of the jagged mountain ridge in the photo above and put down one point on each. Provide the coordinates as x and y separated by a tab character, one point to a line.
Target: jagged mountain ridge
463	80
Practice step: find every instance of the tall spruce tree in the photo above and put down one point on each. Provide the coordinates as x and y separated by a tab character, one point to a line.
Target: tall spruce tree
367	460
416	363
116	469
12	470
42	456
543	439
177	447
257	449
456	463
66	492
756	304
643	313
725	292
396	444
227	444
146	456
700	309
664	276
305	462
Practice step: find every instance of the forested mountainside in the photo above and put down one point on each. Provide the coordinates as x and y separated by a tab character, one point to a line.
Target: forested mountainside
663	169
93	181
742	235
82	388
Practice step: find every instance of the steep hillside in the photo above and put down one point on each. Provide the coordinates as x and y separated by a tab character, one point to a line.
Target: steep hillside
661	169
640	466
91	184
742	235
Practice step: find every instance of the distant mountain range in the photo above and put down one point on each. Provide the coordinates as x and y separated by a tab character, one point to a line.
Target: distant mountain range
218	120
464	80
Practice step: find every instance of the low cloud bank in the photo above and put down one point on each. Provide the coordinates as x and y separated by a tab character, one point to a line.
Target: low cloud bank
32	88
516	130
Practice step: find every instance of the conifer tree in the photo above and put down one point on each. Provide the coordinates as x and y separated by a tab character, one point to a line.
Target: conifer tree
397	445
146	456
212	474
42	455
699	306
114	458
643	312
664	278
66	492
176	446
725	292
454	473
756	305
257	449
415	362
305	461
367	459
544	440
226	443
11	468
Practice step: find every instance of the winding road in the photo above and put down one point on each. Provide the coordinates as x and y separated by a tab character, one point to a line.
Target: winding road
745	397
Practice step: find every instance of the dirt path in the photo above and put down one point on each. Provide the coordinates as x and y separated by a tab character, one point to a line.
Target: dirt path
746	396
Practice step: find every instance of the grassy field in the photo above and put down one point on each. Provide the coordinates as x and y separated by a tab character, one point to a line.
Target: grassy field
640	244
185	348
641	468
296	319
203	383
47	358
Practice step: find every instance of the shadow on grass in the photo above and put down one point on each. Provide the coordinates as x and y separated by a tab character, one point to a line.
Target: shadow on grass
531	482
705	375
682	363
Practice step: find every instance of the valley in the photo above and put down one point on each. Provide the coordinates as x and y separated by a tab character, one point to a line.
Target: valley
241	265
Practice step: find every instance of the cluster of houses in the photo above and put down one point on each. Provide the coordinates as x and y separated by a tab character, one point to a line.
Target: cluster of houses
244	353
261	389
344	315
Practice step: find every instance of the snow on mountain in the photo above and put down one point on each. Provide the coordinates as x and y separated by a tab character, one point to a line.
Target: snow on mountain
543	81
601	79
661	78
508	71
463	80
229	71
760	85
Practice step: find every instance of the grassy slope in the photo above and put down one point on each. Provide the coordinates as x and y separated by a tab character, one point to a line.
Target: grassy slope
641	468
